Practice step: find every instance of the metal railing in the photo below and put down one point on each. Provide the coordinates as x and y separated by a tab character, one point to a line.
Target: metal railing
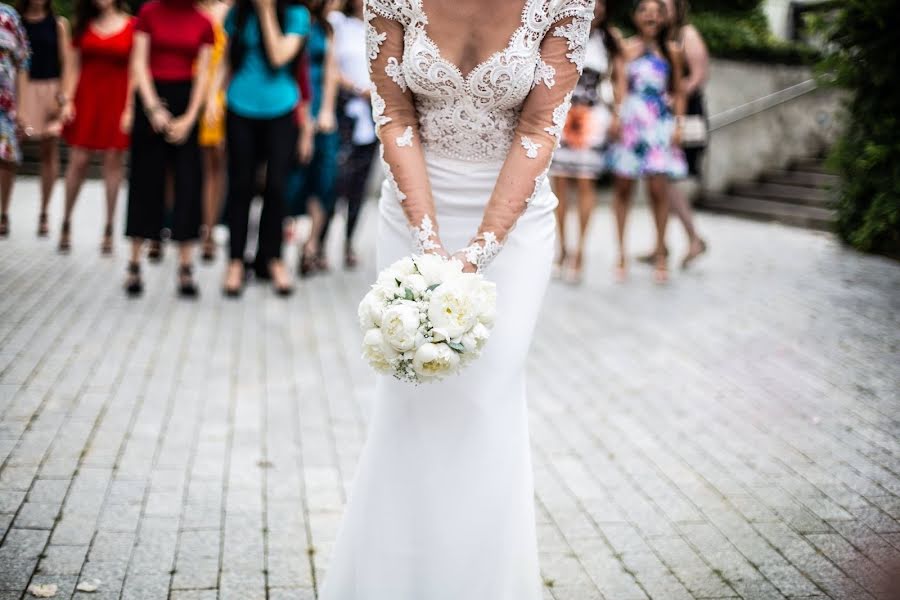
754	107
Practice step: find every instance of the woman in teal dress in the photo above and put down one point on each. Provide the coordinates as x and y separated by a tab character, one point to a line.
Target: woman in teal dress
312	186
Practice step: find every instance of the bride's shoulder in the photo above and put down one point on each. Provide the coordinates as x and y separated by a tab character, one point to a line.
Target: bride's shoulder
404	11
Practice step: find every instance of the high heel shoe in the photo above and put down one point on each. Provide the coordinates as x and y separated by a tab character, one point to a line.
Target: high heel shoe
65	241
186	286
106	246
134	286
650	257
351	260
155	251
43	227
235	291
4	226
208	254
282	287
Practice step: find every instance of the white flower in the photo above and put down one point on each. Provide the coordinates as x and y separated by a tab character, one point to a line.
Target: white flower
370	310
488	304
400	324
438	270
377	352
455	306
435	360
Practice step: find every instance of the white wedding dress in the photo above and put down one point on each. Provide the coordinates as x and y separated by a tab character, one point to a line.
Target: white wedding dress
442	505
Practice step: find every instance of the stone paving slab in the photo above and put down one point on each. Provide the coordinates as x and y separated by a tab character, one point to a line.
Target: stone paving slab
735	434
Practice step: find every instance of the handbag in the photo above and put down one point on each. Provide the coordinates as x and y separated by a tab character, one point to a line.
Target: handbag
694	132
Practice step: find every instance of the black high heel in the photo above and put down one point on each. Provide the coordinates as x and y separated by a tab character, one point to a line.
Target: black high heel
65	241
43	227
134	286
155	252
186	286
4	226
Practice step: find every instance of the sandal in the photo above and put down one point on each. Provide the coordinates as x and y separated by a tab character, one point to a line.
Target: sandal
155	251
134	286
4	226
574	273
694	254
650	257
43	227
208	254
106	246
186	286
65	243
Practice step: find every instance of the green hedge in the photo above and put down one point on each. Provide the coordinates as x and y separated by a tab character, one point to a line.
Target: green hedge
736	29
864	58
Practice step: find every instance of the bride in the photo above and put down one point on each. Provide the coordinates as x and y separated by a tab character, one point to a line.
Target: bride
470	98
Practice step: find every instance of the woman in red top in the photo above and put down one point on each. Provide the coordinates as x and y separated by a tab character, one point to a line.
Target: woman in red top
172	42
101	114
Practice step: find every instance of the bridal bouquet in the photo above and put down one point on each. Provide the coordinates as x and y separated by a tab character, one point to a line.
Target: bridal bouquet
424	318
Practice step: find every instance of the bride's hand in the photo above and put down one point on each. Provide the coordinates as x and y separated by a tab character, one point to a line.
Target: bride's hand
468	267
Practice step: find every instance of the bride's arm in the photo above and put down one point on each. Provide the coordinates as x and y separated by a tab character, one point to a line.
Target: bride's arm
397	125
537	134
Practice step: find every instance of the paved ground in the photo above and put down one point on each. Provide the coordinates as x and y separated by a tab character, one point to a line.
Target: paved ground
733	435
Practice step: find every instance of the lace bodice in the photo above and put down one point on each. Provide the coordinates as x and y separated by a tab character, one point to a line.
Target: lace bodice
510	108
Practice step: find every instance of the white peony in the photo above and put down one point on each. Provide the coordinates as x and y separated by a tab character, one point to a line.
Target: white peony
487	298
438	270
435	360
455	307
400	324
370	310
377	352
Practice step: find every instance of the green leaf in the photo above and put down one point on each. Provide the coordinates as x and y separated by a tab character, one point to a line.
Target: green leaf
456	346
432	287
408	294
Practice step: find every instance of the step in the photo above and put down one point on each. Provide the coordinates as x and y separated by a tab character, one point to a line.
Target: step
801	178
815	165
811	217
790	194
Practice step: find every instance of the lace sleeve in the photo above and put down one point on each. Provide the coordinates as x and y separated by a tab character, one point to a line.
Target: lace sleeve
396	122
538	131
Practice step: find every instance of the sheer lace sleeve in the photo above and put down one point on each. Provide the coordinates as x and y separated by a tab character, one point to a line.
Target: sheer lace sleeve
538	131
396	121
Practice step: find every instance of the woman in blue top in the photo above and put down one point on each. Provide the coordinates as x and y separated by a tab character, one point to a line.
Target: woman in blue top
315	182
264	38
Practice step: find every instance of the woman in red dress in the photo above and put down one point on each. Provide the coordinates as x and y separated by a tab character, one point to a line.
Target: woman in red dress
102	104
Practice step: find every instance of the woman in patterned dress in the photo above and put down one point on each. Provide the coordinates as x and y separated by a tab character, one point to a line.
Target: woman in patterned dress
14	63
649	130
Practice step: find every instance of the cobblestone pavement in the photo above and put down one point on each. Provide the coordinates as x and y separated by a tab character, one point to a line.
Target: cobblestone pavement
731	435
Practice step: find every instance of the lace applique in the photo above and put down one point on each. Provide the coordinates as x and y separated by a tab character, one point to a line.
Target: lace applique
394	70
559	117
531	148
406	140
390	176
481	254
538	184
374	39
424	236
575	33
378	107
545	74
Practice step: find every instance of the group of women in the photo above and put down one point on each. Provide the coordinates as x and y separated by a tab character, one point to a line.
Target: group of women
628	117
215	101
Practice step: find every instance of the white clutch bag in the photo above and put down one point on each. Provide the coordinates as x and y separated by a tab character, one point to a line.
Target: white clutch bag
694	132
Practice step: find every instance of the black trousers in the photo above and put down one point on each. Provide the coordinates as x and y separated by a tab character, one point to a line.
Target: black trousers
152	157
354	165
252	143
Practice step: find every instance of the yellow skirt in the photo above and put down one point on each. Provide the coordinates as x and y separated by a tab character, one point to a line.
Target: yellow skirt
214	134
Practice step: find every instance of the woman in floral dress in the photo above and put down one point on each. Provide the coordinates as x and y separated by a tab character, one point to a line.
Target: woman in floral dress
649	113
14	54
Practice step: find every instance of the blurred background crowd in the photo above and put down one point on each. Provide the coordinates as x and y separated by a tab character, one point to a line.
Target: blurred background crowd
205	106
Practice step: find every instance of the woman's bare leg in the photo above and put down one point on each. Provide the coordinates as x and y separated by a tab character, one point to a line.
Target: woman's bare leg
622	190
587	200
76	172
113	173
561	189
658	186
49	170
